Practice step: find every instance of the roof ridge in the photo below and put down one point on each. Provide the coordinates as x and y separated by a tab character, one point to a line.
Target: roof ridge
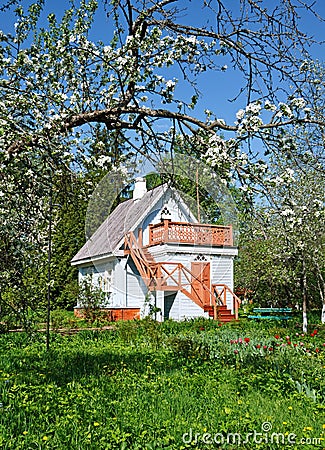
124	217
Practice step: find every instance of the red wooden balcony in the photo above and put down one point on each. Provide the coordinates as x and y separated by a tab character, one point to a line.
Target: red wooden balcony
190	233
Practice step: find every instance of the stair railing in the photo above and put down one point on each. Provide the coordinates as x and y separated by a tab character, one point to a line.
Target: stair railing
222	296
131	247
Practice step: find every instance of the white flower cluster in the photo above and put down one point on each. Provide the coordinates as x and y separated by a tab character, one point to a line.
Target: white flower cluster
103	160
225	156
248	119
286	177
299	103
284	110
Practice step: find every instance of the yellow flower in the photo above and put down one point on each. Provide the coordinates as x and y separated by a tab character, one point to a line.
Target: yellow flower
290	408
96	424
324	426
25	432
45	438
284	423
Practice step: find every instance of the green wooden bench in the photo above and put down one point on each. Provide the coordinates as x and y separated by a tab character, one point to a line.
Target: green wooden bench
271	313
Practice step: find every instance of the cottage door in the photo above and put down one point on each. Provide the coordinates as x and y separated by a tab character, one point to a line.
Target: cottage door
201	277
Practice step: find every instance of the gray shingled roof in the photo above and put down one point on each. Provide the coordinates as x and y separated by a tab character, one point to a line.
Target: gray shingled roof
126	216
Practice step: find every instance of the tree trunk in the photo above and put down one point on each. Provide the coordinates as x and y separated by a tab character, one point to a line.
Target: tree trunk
323	314
304	297
321	289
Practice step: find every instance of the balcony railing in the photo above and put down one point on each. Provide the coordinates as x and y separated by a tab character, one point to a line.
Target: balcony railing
190	233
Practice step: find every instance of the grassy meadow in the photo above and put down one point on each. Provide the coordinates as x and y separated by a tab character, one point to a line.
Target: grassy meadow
144	385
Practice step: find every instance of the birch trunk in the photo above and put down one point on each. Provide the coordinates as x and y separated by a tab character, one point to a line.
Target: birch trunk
304	298
323	313
321	289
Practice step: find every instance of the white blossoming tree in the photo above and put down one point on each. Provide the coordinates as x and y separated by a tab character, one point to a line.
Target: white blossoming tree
56	79
140	81
285	243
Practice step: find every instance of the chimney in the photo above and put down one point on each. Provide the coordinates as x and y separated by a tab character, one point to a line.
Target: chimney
140	188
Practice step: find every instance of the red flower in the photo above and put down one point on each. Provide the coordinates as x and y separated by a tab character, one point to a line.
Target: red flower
288	342
312	334
317	350
315	331
202	328
277	336
246	340
235	351
258	346
264	347
270	348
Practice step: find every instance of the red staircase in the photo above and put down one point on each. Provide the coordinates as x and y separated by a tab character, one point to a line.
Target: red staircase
169	276
223	314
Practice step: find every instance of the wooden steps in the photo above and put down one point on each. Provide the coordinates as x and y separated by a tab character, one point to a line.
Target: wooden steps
223	313
148	256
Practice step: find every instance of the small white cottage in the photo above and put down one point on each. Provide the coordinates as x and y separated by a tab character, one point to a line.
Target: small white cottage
152	256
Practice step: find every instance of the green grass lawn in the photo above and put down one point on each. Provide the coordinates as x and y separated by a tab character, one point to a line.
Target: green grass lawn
150	386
